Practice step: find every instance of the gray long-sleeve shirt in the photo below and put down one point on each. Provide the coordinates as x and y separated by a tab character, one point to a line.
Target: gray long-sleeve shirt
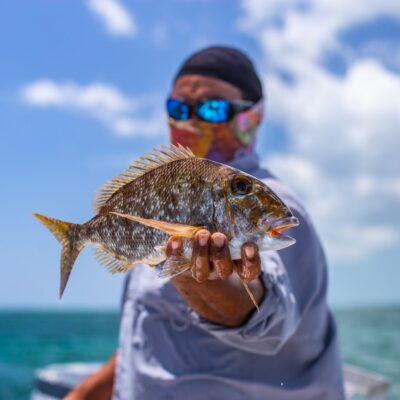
286	351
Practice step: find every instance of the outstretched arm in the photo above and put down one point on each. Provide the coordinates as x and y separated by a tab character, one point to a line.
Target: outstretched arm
214	289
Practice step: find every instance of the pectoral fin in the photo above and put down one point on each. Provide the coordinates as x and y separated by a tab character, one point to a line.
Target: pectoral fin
173	229
252	298
174	266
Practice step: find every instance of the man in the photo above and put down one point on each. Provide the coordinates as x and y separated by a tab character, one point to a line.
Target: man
198	336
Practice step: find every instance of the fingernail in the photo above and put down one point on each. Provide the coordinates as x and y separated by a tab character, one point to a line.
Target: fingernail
249	251
200	277
175	244
219	241
203	239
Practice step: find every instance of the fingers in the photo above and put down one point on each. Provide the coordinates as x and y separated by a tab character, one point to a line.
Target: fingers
201	256
204	245
174	246
220	255
250	266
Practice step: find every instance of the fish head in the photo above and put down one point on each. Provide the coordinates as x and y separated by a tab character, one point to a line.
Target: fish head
254	210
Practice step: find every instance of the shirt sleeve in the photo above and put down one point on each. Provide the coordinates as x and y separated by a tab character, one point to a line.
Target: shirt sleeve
292	278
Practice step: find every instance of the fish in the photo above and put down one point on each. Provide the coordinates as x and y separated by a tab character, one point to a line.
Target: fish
172	192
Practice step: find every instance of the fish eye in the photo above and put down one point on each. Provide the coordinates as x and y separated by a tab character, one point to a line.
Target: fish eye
240	185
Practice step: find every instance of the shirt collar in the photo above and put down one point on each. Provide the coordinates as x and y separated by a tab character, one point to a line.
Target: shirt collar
250	163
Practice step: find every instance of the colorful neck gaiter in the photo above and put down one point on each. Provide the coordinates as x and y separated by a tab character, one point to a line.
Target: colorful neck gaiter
221	142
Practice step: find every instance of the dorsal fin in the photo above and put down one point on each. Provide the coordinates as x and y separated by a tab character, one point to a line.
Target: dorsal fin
140	167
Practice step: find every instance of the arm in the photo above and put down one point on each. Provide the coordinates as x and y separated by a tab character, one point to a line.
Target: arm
295	282
214	290
97	386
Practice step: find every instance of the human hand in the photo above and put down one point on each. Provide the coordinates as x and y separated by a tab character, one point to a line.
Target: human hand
211	257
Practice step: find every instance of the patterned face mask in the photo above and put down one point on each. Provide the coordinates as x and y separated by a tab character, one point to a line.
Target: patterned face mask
219	141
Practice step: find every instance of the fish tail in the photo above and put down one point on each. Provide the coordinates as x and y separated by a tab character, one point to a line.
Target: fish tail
71	247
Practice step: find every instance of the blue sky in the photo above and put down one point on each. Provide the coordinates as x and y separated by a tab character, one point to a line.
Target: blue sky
82	85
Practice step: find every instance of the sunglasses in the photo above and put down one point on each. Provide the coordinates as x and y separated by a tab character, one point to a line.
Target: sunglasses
211	110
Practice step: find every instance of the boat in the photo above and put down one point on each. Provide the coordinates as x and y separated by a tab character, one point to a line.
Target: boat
54	381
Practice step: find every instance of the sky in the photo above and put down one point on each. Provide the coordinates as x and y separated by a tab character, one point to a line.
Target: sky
82	90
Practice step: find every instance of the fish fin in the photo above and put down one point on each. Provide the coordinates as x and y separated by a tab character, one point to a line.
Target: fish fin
147	163
152	262
161	249
174	266
172	228
70	250
113	264
252	298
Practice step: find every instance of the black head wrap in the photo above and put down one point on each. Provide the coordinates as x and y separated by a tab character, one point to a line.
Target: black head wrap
227	64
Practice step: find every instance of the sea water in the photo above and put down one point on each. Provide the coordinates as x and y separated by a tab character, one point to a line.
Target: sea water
369	338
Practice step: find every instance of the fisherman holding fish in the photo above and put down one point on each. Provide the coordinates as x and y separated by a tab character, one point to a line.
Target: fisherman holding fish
204	223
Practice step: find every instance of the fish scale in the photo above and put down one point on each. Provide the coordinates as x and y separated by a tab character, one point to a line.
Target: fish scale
172	192
172	204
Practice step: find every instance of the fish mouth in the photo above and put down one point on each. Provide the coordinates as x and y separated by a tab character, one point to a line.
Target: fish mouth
281	225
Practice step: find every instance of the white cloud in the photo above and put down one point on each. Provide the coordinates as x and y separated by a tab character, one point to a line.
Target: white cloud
125	116
150	127
95	98
293	31
117	19
343	130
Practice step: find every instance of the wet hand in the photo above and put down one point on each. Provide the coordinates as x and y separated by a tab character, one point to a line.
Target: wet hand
211	258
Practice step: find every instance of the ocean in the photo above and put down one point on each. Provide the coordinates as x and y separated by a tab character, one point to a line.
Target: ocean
370	338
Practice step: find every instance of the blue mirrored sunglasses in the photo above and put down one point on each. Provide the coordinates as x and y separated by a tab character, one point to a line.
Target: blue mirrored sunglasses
211	110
